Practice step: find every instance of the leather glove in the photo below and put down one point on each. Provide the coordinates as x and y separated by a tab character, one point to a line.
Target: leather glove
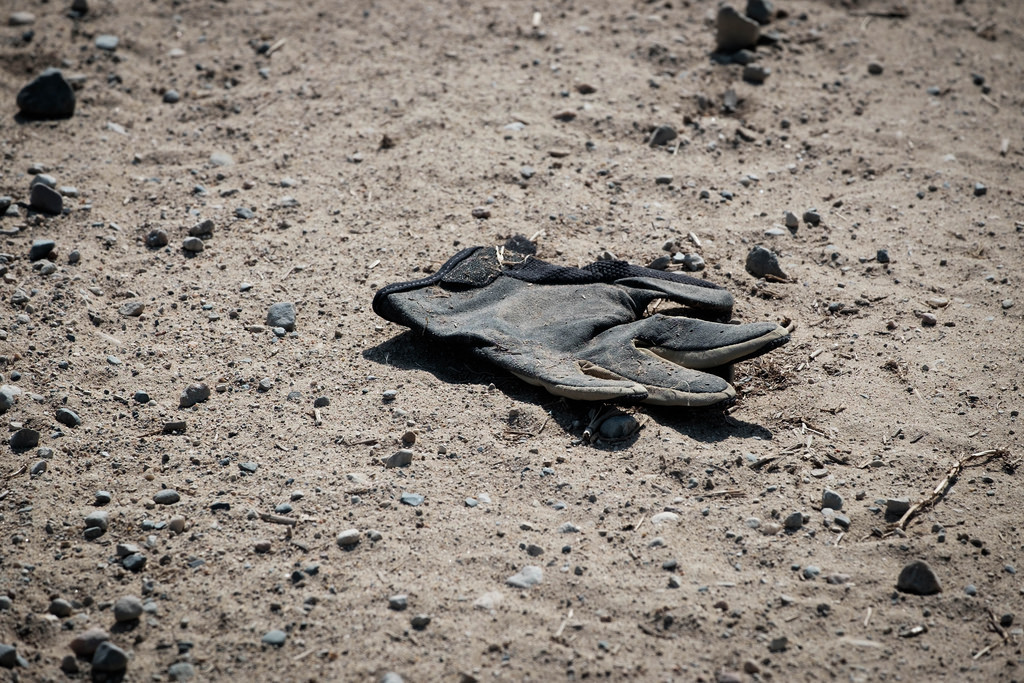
581	332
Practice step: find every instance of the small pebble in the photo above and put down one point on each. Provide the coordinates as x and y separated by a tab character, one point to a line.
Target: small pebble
282	314
45	200
398	602
107	42
831	499
348	538
166	497
918	578
929	319
68	418
156	238
527	577
193	394
171	96
762	262
882	256
86	642
420	622
24	439
980	190
274	638
812	217
662	135
132	309
59	607
40	249
193	245
875	68
413	499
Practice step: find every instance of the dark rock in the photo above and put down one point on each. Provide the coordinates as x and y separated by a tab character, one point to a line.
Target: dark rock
45	200
40	249
156	238
282	314
882	256
755	73
980	190
760	11
86	642
68	418
47	97
109	658
812	217
24	439
171	96
663	135
735	31
762	262
193	394
917	578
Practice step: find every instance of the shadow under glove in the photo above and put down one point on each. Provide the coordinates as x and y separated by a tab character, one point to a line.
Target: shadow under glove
580	332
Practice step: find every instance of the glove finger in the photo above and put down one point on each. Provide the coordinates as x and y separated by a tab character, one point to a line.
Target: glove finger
698	344
667	383
582	381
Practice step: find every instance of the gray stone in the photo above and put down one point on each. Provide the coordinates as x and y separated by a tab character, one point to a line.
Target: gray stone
391	677
245	213
45	179
109	658
897	506
282	314
107	42
875	68
348	538
40	249
193	394
412	499
756	74
60	608
527	172
47	97
527	577
794	521
403	458
812	217
24	439
420	621
693	262
132	309
193	245
181	671
882	255
811	572
86	642
69	665
274	638
398	602
917	578
321	402
7	394
135	562
21	19
127	608
763	262
68	418
39	468
166	497
171	96
99	519
735	31
792	222
831	499
980	190
102	498
45	200
202	229
9	657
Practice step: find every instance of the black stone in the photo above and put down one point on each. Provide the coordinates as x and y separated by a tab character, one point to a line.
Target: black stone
47	97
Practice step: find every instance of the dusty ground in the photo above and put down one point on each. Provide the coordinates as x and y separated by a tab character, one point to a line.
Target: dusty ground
865	400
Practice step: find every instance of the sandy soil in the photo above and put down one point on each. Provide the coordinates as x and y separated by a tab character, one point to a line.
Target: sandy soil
361	136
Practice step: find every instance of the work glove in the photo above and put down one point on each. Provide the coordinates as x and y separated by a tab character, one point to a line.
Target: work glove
581	332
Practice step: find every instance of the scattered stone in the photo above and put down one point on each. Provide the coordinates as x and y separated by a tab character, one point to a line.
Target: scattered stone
778	644
171	97
265	384
693	262
663	517
127	608
193	394
59	607
23	439
101	498
107	42
762	262
69	665
274	638
100	519
68	418
109	658
831	499
391	677
735	31
156	239
181	671
222	159
40	249
132	309
403	458
176	525
980	190
665	179
882	256
412	499
21	19
7	394
193	245
875	68
166	497
86	642
1007	304
282	314
527	172
917	578
756	74
929	320
527	577
812	217
45	200
794	521
5	603
792	222
760	11
348	538
481	212
321	402
420	621
245	213
811	572
488	601
47	97
662	135
398	602
39	468
202	229
897	506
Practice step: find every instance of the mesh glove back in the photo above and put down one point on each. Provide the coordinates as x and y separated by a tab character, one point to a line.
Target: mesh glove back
580	332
